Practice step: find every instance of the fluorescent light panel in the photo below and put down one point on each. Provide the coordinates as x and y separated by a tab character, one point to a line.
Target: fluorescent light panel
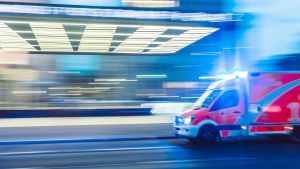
140	33
98	38
181	41
40	30
151	3
4	41
92	32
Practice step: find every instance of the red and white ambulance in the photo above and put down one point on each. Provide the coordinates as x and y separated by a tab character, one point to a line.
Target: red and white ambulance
244	104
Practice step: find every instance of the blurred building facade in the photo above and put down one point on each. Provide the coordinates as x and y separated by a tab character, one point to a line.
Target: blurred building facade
141	59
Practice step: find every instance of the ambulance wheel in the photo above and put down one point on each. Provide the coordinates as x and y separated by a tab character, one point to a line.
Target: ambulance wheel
295	136
208	134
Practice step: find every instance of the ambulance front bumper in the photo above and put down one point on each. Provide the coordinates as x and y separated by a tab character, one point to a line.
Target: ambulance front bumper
184	130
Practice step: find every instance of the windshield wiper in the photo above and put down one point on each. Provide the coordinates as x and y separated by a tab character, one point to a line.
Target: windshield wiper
196	107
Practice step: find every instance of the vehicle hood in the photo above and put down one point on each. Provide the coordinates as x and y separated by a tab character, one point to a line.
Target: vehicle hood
192	112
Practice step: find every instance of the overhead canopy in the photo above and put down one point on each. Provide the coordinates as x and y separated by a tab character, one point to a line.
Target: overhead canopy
47	36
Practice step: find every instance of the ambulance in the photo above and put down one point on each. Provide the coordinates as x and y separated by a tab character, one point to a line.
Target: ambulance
244	104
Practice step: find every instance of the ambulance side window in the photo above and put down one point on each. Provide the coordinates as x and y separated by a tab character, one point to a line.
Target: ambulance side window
228	99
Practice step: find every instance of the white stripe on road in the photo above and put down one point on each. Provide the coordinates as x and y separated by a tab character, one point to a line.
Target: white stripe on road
87	151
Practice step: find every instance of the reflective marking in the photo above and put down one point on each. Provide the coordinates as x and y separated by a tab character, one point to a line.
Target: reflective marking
294	107
87	151
269	99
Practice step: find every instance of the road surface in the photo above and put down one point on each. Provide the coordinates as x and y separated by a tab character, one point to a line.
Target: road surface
142	147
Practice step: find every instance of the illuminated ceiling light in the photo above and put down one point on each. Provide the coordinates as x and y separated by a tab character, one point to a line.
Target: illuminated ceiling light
40	29
46	25
23	45
193	35
86	91
87	48
201	29
17	31
98	38
117	87
151	3
115	80
123	47
95	88
183	27
178	41
28	92
38	82
189	97
94	26
143	36
99	34
65	94
63	88
175	43
207	77
163	51
150	94
11	39
83	24
63	72
48	40
95	41
167	36
104	83
133	47
95	32
151	76
168	47
138	41
160	96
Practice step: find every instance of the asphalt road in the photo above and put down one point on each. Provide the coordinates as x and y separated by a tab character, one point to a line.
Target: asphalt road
79	133
152	154
136	152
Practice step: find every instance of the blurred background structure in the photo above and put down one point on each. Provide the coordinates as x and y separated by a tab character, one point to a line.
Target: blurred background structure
61	59
135	53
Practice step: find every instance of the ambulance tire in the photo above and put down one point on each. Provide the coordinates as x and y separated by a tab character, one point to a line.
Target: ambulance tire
295	136
208	134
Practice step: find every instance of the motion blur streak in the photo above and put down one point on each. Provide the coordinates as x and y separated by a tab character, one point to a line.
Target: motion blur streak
130	84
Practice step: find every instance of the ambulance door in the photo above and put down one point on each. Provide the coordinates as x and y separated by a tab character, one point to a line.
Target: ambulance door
229	111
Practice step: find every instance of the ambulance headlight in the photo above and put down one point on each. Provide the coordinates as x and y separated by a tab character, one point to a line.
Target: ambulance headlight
179	120
189	119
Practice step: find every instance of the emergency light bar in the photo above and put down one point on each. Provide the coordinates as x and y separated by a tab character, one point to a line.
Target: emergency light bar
234	75
224	76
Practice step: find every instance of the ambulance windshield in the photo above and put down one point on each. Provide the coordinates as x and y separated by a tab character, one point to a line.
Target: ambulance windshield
206	99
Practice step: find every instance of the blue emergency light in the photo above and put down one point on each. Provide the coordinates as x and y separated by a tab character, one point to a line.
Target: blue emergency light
235	74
